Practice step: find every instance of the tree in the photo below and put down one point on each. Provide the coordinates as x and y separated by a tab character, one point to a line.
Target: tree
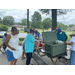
36	20
8	20
24	22
0	21
47	23
59	11
71	25
62	26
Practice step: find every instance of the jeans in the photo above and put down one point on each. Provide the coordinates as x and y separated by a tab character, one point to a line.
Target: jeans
72	58
29	55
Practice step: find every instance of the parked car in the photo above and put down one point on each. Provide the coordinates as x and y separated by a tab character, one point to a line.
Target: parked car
2	33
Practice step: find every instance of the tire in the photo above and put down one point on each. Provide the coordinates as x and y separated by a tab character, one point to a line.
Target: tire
2	49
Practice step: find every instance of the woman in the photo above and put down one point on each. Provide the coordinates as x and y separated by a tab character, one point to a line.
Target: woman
72	43
14	51
30	41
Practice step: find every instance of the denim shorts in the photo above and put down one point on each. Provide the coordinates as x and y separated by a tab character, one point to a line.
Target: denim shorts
23	47
10	56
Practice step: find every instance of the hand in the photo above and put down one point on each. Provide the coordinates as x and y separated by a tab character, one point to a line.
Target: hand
65	42
13	49
20	44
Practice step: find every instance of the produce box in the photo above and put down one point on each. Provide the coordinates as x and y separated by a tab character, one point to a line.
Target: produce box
51	47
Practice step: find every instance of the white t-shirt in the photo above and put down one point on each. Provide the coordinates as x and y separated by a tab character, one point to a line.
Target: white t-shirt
73	46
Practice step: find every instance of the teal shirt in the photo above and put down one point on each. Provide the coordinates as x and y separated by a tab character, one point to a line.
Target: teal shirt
62	36
29	43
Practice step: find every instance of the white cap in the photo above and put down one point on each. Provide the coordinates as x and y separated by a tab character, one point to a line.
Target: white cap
36	29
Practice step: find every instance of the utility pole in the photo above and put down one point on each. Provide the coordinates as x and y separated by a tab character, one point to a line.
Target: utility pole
54	19
27	18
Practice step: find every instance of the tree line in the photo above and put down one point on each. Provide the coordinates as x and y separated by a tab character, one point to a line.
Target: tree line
36	22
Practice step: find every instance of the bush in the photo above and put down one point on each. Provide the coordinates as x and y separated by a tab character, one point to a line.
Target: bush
25	29
3	28
21	39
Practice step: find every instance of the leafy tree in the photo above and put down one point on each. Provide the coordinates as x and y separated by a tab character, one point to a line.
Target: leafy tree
62	26
36	20
24	22
8	20
47	23
0	21
59	11
71	25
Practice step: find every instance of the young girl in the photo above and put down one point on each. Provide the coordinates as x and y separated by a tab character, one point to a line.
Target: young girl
72	43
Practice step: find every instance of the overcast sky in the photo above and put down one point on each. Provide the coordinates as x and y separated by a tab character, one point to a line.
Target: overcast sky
20	14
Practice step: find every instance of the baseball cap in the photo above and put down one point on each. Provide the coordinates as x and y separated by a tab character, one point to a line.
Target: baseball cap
59	29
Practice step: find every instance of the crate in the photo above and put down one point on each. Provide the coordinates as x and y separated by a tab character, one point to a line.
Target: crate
51	47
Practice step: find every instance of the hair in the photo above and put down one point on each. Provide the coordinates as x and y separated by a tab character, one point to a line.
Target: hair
5	34
13	28
31	31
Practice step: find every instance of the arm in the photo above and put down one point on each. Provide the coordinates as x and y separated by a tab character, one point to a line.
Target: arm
36	45
68	43
7	40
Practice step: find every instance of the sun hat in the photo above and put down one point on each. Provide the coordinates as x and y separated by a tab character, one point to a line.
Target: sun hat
72	34
36	29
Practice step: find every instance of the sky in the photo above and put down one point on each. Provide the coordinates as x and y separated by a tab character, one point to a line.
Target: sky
20	14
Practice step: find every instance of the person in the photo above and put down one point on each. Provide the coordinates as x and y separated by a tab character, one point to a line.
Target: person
62	36
3	40
36	34
30	41
72	43
23	43
14	51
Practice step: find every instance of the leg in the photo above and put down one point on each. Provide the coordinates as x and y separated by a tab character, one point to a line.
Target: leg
15	61
43	47
29	55
11	62
23	54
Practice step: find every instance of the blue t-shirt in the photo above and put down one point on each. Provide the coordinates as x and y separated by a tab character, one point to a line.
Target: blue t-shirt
61	36
3	39
29	43
37	33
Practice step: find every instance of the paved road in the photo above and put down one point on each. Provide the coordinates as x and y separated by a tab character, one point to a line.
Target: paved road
22	35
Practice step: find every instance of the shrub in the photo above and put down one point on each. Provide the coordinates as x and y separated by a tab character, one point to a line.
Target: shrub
21	39
3	28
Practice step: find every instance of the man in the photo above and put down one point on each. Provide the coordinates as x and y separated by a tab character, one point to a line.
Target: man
3	40
37	34
30	42
61	35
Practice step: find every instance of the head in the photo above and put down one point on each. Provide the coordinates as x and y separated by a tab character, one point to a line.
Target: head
71	35
59	30
5	34
14	30
31	31
35	30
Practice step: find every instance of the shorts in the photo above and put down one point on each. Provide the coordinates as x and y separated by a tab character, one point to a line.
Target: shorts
10	56
23	47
